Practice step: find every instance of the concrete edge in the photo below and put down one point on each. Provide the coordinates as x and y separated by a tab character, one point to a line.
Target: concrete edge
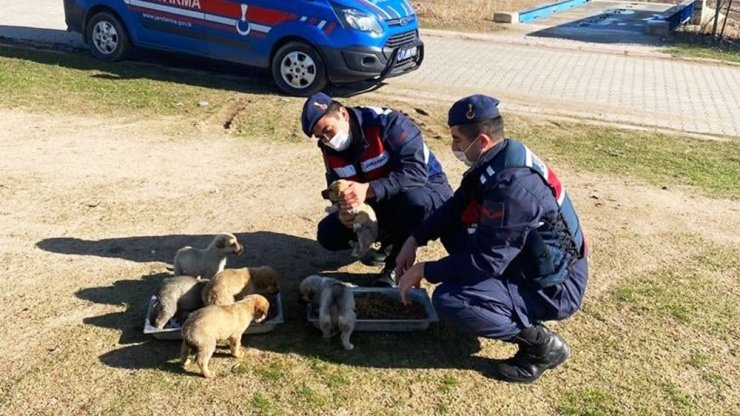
528	15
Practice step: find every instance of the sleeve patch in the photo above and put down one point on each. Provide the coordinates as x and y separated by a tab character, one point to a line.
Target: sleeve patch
492	213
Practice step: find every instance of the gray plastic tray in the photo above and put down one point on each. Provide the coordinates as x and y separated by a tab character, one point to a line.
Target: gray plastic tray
388	325
171	330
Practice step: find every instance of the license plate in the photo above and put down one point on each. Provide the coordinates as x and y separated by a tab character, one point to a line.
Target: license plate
406	53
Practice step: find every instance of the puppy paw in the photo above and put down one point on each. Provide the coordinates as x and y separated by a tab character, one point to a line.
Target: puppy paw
349	347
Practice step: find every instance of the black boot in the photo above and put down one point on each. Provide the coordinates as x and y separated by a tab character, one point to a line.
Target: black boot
539	349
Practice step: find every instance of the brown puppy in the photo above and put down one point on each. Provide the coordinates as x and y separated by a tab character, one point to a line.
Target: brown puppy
178	294
233	284
205	327
364	220
205	263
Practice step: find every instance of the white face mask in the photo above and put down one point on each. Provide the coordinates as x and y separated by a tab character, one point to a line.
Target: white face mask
340	142
460	155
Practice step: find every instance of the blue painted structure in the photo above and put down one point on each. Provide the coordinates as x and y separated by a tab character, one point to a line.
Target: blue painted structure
528	15
681	15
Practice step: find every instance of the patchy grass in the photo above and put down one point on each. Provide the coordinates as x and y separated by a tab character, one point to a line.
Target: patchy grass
723	53
42	80
657	338
588	402
691	293
661	159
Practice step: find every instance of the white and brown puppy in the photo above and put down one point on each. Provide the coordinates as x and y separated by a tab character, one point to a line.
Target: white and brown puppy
336	304
231	285
364	220
176	295
206	326
208	261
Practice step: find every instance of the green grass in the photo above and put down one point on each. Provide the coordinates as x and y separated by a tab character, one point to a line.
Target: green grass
689	293
588	402
731	54
660	159
262	404
74	83
449	383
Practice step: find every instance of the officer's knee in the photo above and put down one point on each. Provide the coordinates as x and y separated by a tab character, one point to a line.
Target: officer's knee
330	237
447	301
452	306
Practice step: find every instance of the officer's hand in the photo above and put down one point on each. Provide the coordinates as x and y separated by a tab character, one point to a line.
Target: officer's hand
412	278
353	193
345	217
406	257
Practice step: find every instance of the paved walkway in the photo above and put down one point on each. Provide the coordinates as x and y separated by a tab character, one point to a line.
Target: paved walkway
545	76
600	84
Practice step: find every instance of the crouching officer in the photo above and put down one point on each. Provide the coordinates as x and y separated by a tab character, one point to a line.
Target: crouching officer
517	254
382	155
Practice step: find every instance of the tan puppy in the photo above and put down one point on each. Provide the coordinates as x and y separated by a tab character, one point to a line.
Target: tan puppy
336	304
231	285
205	327
179	294
205	263
364	221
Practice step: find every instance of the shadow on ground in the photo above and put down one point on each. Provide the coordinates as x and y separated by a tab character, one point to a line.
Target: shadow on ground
152	65
294	257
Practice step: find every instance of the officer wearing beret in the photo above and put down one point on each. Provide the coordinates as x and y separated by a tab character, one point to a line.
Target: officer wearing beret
517	254
382	155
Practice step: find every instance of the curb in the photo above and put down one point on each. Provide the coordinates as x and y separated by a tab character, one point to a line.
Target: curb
523	41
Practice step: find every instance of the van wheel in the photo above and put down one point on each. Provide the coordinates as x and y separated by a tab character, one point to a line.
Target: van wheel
107	37
298	69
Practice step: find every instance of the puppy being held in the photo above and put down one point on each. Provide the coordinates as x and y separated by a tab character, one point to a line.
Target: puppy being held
206	326
363	218
336	304
231	285
206	262
177	295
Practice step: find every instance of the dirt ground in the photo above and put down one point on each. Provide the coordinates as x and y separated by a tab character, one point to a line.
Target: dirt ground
92	210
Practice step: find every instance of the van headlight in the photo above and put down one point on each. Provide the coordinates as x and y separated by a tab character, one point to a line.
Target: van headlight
361	21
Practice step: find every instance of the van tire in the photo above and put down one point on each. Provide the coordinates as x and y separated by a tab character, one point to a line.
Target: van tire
107	38
298	69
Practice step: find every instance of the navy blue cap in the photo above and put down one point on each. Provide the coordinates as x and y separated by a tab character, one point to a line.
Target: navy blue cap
314	108
473	109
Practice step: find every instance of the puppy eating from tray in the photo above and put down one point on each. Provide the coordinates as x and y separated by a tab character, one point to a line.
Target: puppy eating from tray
176	297
364	220
231	285
336	304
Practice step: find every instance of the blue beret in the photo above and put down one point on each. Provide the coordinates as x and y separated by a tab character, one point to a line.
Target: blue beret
473	109
314	108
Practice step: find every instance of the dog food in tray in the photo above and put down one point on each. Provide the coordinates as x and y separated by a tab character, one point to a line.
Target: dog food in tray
387	325
171	330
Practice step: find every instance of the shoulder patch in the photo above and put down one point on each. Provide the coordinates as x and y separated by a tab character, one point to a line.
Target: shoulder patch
400	131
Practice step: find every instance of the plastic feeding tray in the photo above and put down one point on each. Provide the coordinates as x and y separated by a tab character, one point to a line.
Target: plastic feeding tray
171	330
388	325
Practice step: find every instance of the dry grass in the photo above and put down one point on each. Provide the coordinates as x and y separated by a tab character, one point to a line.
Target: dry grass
98	205
473	15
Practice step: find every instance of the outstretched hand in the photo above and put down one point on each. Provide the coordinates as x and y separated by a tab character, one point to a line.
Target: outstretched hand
406	256
412	278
